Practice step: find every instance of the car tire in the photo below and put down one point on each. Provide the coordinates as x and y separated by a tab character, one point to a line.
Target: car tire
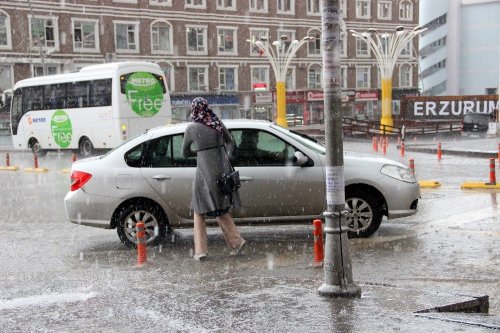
154	220
364	213
85	147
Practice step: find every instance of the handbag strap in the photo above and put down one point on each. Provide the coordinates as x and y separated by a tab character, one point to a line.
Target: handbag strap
220	153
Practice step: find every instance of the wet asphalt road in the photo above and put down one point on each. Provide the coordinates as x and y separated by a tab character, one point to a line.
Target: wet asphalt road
60	277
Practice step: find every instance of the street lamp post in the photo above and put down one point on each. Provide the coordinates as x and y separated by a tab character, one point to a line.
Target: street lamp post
280	58
387	47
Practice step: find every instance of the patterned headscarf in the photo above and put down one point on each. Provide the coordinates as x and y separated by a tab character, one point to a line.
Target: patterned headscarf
200	113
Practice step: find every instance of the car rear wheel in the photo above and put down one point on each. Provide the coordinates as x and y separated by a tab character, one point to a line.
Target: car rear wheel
154	219
364	213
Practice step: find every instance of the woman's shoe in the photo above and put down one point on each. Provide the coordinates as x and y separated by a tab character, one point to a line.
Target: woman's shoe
237	250
200	257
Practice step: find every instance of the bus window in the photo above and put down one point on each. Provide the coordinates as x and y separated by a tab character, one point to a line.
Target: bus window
55	96
32	98
78	95
124	81
100	93
16	110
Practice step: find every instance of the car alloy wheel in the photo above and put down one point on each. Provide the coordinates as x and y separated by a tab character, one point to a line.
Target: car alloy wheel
154	224
364	214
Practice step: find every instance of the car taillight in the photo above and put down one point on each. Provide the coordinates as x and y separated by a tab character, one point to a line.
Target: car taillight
78	179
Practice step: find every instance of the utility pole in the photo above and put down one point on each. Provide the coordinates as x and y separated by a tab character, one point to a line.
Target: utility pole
337	263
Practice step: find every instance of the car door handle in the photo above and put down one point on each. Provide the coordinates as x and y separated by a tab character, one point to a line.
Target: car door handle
161	177
246	178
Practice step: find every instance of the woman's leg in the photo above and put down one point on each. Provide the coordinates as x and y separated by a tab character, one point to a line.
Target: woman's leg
231	233
200	234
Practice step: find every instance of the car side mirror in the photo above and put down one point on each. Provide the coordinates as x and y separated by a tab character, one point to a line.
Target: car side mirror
300	159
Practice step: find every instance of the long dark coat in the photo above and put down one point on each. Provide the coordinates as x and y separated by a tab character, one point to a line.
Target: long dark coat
206	195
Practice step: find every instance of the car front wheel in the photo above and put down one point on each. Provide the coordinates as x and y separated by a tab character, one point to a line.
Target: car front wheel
154	219
364	213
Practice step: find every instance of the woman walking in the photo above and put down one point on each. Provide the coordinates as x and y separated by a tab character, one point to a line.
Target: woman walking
208	135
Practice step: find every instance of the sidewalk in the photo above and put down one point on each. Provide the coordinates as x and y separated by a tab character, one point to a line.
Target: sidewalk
461	146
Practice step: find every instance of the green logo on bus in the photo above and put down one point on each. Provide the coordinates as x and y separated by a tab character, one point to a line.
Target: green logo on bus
61	128
144	93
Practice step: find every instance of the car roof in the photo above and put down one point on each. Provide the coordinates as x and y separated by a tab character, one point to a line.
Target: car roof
229	123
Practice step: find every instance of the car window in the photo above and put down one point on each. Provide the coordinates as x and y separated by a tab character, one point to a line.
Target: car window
133	157
260	148
166	152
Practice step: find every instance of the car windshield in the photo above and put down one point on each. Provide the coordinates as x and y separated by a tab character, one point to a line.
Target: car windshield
304	139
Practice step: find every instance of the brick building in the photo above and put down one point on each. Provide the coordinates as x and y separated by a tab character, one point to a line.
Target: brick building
202	47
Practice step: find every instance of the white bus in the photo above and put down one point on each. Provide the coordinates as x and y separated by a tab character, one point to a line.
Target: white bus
96	108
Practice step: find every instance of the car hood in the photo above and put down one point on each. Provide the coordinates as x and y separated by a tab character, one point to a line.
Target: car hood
367	158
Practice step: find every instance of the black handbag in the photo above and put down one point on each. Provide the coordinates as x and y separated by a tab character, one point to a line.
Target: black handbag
228	183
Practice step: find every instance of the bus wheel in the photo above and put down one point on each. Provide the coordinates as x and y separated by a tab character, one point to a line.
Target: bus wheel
85	147
35	147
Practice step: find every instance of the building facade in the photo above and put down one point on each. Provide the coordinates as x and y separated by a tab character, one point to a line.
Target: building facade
203	47
459	53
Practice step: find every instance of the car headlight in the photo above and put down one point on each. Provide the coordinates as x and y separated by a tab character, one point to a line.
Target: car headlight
398	173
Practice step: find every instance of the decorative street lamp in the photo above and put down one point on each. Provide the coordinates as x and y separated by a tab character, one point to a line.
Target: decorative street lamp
280	58
387	47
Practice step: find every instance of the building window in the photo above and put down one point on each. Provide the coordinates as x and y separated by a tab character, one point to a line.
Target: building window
290	36
363	9
228	78
226	4
343	44
161	2
343	5
256	35
313	7
362	49
196	40
314	77
85	35
258	6
126	36
226	41
343	76
260	75
406	51
405	10
161	37
384	10
290	78
405	74
363	77
286	7
5	38
49	70
44	32
168	70
195	4
314	46
198	78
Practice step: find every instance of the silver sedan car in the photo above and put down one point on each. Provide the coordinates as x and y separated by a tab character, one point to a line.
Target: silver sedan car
283	181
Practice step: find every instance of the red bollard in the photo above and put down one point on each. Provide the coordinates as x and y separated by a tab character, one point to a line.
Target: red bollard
412	165
493	178
35	160
318	241
142	255
402	150
73	158
499	154
439	154
384	146
7	159
374	144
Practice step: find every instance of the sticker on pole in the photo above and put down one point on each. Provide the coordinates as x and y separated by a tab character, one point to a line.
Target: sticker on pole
335	191
62	130
144	93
